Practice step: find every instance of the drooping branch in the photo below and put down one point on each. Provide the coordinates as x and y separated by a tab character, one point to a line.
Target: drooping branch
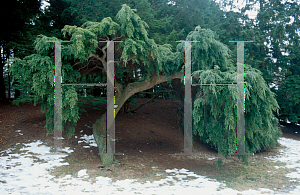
138	86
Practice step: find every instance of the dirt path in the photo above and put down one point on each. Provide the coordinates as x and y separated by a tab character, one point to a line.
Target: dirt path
148	138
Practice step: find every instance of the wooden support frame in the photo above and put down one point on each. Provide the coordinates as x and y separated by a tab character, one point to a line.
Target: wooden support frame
188	146
110	97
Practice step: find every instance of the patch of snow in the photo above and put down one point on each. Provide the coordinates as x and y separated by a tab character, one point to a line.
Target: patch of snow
27	172
59	138
291	156
18	131
88	126
82	173
89	139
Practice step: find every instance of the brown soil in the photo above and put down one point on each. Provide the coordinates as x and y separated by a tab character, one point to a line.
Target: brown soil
149	138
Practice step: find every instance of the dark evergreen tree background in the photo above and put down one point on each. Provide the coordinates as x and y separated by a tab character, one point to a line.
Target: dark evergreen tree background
16	19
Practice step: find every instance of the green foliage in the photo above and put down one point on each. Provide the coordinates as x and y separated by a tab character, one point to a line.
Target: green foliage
91	102
289	98
214	113
83	41
208	52
172	63
131	23
38	81
106	27
39	67
70	114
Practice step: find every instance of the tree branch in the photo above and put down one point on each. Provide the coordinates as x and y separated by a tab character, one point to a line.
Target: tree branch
94	68
116	39
142	105
102	59
138	86
165	91
87	64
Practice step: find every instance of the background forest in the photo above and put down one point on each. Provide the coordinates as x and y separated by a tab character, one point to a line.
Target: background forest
158	24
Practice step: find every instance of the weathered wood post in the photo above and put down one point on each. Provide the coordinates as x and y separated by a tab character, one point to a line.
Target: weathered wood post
240	99
106	139
188	137
188	144
57	97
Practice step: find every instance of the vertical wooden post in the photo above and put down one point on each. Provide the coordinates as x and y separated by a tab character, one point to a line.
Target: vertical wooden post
188	142
188	137
110	99
57	98
240	98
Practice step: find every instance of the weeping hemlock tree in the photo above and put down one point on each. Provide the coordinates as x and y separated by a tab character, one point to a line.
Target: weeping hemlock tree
84	57
215	117
214	107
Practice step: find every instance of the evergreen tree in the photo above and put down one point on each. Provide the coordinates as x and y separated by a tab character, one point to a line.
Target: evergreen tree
48	22
84	55
214	111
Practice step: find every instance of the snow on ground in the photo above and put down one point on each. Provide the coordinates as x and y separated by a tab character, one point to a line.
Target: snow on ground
27	172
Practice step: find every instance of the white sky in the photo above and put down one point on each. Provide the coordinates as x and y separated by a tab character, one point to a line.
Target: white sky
240	4
44	4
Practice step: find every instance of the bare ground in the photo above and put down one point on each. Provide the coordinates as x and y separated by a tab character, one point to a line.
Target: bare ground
149	139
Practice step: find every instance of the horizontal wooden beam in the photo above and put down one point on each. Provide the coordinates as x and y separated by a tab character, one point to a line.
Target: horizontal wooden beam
84	84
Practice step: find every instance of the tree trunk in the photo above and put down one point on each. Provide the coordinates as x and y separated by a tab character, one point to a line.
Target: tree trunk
99	128
8	79
99	132
125	107
17	93
2	85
